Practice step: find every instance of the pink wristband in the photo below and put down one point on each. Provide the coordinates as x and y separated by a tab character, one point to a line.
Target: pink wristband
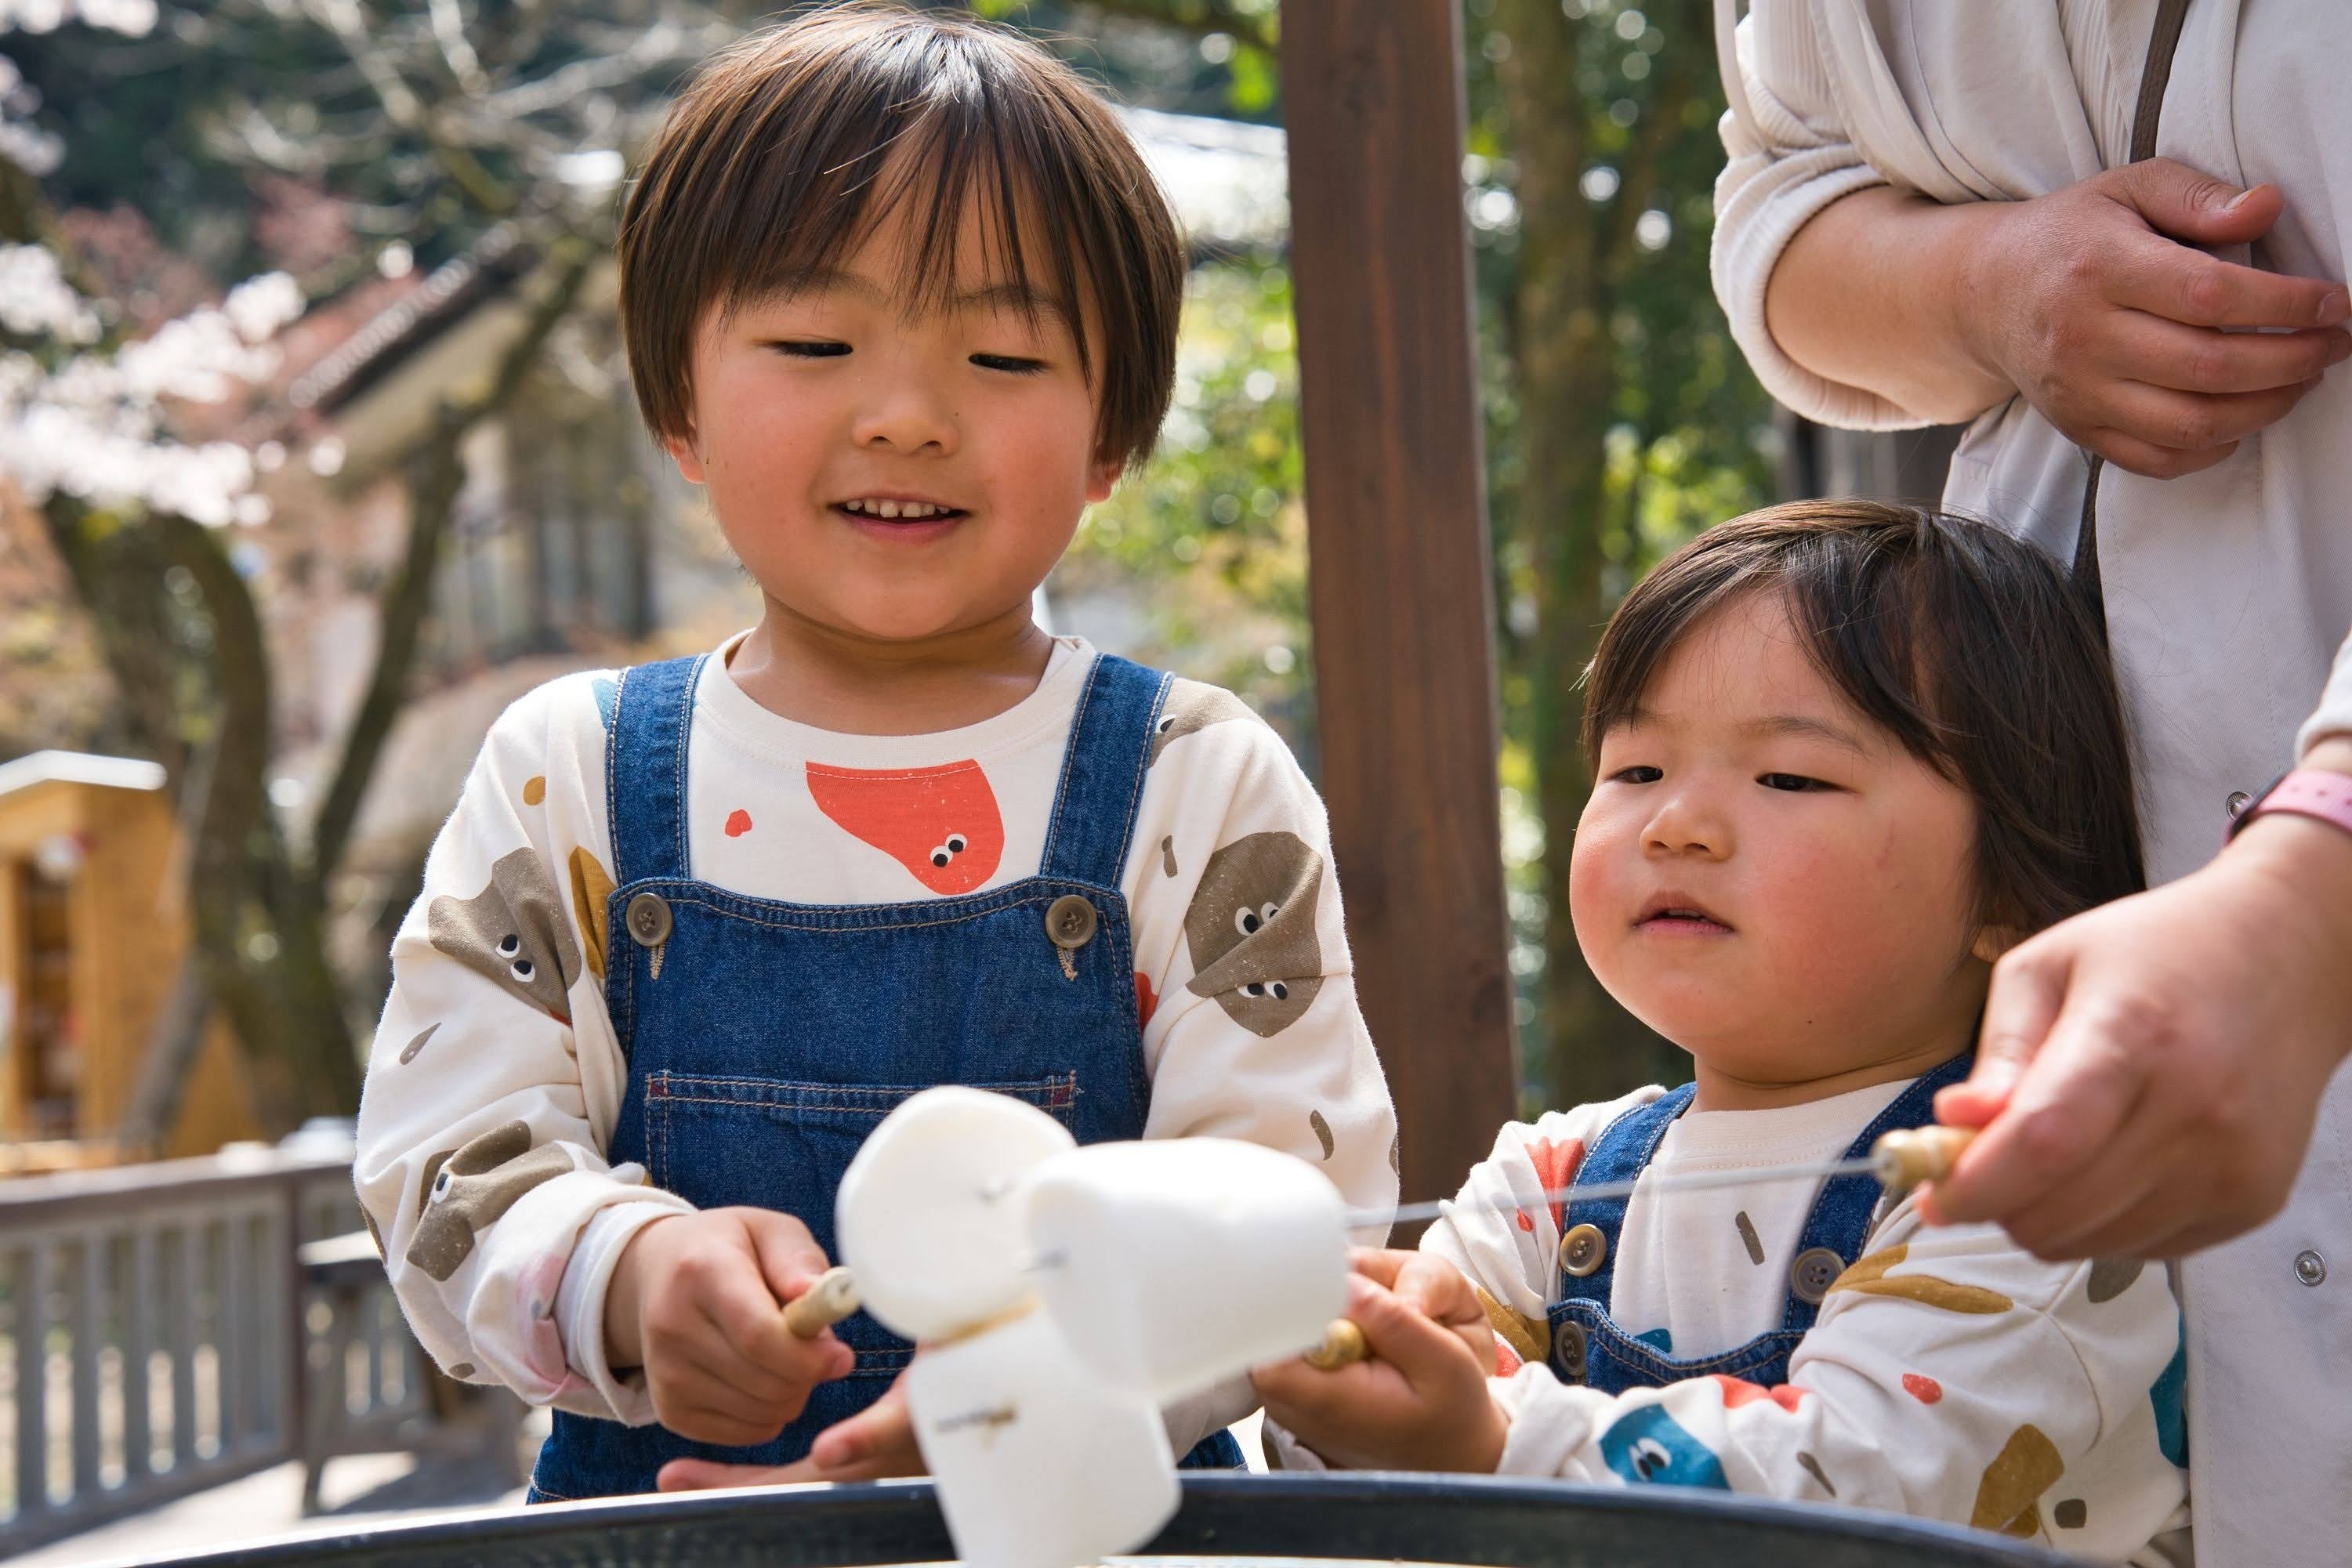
2307	792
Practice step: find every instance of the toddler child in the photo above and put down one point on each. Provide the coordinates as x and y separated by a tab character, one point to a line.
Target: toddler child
1846	754
899	292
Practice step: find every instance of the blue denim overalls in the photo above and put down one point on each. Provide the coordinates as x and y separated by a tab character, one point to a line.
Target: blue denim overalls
1586	1345
765	1040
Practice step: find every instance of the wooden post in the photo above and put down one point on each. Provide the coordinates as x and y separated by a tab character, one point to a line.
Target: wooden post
1404	601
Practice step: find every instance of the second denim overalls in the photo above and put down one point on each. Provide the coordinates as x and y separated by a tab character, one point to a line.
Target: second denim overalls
765	1040
1586	1344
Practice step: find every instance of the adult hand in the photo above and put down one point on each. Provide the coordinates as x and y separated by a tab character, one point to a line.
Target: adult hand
698	1301
875	1444
2149	1071
1420	1402
2093	304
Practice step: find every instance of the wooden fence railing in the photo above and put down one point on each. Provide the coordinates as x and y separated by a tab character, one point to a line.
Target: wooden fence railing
157	1336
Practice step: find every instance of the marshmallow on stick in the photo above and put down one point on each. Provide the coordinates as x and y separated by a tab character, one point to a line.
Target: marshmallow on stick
1064	1294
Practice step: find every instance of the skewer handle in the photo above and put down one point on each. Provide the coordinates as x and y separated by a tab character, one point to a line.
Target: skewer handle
1343	1344
1907	1156
832	1297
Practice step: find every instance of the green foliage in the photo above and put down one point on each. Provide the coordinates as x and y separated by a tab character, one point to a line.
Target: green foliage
1211	537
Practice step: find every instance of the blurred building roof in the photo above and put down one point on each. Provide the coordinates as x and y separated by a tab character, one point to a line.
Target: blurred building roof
80	768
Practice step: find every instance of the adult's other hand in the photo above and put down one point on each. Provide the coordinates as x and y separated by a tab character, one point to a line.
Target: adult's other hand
2149	1071
2094	304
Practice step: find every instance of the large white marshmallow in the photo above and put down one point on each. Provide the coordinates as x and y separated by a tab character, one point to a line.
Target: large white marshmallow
1175	1264
1037	1463
930	1214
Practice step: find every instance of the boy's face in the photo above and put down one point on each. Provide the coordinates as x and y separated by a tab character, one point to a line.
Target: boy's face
1769	880
890	476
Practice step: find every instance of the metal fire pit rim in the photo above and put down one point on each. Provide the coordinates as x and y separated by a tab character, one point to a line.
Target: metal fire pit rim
1479	1521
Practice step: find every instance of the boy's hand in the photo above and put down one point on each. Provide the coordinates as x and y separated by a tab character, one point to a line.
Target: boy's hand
875	1444
1420	1403
698	1301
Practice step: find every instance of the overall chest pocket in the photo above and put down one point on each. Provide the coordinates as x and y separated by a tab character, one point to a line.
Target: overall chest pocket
783	1145
777	1143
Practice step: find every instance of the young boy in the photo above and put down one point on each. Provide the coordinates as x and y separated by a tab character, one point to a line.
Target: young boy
1845	754
899	293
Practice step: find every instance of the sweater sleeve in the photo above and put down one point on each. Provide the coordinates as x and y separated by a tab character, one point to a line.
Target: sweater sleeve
1949	1376
1786	158
2333	716
495	1078
1251	1029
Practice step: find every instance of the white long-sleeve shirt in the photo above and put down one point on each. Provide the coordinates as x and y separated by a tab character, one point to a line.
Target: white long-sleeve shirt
1950	1375
2228	591
507	1282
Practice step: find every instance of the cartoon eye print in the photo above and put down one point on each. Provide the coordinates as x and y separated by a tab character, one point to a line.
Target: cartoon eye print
1647	1445
469	1188
1192	707
1650	1458
514	932
1263	971
895	811
1249	922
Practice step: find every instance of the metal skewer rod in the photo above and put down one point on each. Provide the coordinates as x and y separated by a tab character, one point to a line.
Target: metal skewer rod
1410	1213
1901	1160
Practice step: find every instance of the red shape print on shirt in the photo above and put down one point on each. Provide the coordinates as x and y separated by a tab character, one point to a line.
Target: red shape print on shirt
1556	1166
1738	1391
940	823
1146	1003
1926	1390
739	822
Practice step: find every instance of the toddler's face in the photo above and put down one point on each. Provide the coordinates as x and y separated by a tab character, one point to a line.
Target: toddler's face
887	475
1769	880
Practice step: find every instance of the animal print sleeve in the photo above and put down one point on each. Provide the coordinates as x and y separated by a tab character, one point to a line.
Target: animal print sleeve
494	1078
1242	974
1251	1027
1951	1375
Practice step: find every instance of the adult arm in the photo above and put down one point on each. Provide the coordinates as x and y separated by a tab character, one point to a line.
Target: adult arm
1860	304
2150	1071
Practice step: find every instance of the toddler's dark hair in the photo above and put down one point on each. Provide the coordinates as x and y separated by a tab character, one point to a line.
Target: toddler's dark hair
1968	645
790	145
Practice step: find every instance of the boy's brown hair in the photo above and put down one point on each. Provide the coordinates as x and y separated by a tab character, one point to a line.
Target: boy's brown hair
1971	647
791	144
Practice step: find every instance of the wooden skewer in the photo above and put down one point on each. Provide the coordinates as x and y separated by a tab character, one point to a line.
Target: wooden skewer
1343	1344
832	1297
1910	1156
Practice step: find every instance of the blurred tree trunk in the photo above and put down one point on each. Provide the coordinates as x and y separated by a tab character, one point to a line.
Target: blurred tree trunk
1574	256
184	643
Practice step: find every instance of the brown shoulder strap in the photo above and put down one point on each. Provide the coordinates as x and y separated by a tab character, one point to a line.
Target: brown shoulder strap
2162	44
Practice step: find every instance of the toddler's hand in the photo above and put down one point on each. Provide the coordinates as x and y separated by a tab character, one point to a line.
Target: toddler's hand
698	1301
875	1444
1420	1403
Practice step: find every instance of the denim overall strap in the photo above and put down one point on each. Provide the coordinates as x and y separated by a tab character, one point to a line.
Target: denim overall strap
1102	773
1840	1217
1621	1154
645	769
